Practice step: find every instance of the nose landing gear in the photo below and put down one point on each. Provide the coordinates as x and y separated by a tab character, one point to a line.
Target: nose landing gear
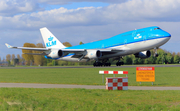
155	50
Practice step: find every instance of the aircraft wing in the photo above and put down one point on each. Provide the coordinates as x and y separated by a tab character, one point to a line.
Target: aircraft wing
82	54
27	48
78	53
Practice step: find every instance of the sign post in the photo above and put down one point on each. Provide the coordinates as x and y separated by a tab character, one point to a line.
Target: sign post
145	74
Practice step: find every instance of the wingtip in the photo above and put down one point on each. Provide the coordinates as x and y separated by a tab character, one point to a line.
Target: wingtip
8	46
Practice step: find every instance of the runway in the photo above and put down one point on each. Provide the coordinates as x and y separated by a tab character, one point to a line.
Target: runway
31	85
125	66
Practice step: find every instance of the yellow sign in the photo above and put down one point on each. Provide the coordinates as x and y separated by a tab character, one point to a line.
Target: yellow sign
145	74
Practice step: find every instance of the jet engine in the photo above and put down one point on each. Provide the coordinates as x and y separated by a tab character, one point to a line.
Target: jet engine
93	54
143	55
56	54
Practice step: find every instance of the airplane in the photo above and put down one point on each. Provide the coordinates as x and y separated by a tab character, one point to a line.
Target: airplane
138	42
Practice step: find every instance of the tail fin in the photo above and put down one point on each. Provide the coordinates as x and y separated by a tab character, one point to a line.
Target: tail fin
50	40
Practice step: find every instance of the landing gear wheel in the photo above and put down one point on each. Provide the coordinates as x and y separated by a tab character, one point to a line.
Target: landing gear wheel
119	63
97	64
156	55
106	64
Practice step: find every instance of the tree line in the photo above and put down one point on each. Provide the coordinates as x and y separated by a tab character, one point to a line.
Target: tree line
165	57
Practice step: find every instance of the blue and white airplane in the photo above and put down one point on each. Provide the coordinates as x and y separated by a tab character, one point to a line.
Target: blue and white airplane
137	42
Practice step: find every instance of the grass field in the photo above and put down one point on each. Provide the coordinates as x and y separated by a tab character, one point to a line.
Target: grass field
27	99
164	76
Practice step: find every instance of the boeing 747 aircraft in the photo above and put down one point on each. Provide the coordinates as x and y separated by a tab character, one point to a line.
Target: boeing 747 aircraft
137	42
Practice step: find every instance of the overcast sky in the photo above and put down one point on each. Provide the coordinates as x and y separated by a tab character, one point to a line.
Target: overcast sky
84	20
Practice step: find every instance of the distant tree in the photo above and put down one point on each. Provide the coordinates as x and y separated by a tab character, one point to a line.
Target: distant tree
134	59
169	58
38	59
178	54
158	60
176	59
127	60
0	59
81	43
146	61
152	59
67	44
140	61
8	57
13	56
28	57
173	54
18	56
16	61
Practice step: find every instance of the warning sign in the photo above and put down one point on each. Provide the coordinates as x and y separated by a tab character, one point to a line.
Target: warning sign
145	74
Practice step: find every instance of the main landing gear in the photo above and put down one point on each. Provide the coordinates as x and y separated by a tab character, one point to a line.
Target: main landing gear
119	63
99	64
106	62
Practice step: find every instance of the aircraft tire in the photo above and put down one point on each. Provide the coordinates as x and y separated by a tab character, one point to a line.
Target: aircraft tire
119	63
156	55
97	64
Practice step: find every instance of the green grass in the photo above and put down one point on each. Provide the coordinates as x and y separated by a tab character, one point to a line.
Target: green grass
164	76
27	99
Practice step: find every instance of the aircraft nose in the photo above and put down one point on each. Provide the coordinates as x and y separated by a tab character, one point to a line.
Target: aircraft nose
166	34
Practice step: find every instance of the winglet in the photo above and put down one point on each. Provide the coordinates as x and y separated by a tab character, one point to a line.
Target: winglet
8	46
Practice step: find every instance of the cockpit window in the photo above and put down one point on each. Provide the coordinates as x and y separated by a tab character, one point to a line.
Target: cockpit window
156	28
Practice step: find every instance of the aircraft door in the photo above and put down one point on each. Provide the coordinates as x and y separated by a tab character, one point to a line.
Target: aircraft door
144	38
134	33
125	41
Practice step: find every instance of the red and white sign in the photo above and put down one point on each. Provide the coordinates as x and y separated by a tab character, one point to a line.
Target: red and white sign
145	68
113	72
118	83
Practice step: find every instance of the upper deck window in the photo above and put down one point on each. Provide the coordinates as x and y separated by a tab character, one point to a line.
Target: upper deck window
127	35
156	28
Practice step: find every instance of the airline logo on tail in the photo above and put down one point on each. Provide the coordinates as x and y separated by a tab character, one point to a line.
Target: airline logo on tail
51	42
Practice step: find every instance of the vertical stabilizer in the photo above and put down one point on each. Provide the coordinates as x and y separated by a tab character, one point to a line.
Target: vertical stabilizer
50	40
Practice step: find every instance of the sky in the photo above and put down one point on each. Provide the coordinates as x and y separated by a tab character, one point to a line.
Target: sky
84	20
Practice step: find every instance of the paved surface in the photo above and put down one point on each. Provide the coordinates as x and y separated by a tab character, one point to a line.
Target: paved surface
90	66
29	85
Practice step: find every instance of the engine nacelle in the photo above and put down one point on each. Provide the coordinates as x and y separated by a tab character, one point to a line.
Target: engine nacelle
56	54
93	54
143	55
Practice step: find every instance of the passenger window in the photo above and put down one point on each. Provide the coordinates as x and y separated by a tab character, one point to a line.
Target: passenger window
156	28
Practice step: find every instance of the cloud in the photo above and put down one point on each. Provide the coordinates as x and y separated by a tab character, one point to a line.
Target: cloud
87	23
130	11
13	7
62	2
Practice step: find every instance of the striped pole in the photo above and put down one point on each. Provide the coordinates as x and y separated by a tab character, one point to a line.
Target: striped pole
112	72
